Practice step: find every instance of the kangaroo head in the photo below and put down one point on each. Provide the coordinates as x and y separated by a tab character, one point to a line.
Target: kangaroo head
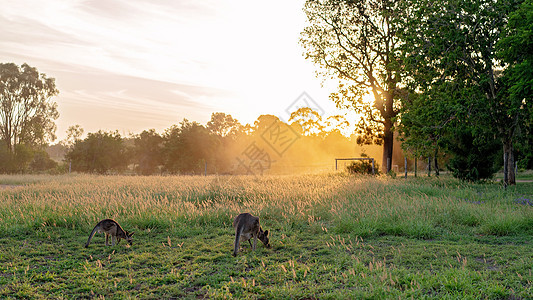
129	237
263	237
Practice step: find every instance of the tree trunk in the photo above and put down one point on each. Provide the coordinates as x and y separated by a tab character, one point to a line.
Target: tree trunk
429	166
405	166
437	171
388	140
505	159
508	164
416	166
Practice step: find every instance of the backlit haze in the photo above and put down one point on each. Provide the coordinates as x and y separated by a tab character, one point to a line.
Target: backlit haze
132	65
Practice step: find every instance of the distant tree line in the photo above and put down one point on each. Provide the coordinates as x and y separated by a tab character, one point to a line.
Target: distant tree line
222	146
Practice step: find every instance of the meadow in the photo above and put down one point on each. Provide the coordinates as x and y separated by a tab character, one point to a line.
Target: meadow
333	236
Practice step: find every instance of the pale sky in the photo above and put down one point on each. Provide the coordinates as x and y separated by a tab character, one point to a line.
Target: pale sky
131	65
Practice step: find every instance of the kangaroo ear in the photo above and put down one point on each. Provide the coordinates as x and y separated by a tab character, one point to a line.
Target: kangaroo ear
131	234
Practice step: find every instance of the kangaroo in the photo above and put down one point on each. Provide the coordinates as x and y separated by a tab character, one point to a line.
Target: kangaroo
247	227
110	228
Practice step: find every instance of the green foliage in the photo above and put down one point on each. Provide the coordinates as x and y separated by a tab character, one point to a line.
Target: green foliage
363	167
474	155
450	61
516	49
99	152
42	162
148	152
524	151
26	111
27	115
187	148
425	119
25	159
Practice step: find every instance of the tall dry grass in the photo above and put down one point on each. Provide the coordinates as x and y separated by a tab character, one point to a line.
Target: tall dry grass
364	206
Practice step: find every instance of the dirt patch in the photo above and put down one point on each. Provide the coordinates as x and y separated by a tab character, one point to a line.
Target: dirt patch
488	263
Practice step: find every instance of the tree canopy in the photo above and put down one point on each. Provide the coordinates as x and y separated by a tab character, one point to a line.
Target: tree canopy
27	114
26	109
449	53
100	152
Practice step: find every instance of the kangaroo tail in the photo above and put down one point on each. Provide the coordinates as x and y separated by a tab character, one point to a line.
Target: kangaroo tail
91	235
238	232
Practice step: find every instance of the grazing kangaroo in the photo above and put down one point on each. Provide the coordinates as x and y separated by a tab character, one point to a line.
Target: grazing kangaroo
247	227
110	228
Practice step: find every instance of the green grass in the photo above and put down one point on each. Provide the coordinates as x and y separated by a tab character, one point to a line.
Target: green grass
520	175
333	236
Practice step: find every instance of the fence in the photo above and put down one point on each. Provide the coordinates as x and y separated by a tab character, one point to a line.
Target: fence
356	158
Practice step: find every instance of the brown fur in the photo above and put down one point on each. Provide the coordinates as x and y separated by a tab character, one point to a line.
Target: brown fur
110	228
247	227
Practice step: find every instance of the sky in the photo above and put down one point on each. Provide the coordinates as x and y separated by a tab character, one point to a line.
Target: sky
133	65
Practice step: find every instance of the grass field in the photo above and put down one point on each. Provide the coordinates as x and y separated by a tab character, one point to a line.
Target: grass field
333	236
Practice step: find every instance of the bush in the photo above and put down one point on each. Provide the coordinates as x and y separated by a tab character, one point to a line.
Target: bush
42	162
362	167
473	156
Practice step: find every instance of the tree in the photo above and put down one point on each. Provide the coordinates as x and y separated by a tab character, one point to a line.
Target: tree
147	151
99	152
187	148
516	50
450	48
223	125
356	42
475	153
42	162
311	123
26	109
226	132
26	115
309	120
424	121
74	134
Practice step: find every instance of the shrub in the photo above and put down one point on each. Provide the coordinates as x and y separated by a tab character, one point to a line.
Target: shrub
362	167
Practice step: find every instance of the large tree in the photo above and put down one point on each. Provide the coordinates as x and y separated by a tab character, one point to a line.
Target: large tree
27	112
356	42
99	152
516	51
450	48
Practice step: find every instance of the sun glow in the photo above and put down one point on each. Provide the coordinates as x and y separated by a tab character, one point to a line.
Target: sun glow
135	65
